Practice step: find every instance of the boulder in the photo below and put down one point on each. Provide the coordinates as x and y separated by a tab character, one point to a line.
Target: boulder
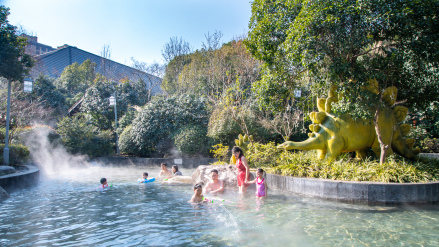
226	173
3	194
5	170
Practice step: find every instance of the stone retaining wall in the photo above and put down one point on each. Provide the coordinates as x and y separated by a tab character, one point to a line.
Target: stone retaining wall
363	192
134	161
20	180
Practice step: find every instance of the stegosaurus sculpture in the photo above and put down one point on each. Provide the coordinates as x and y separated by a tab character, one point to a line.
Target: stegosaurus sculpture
333	134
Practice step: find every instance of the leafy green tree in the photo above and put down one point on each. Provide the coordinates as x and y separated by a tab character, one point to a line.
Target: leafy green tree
192	140
80	136
14	63
162	117
44	91
76	78
347	43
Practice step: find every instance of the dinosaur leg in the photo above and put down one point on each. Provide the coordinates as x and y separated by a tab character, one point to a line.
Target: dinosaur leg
335	148
321	153
361	154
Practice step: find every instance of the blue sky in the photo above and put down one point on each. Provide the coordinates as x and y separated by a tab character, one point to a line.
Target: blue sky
132	28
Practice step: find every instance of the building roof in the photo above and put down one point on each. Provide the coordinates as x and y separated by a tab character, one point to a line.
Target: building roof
53	64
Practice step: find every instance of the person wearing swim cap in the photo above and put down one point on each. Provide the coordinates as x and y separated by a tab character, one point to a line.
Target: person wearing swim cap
216	185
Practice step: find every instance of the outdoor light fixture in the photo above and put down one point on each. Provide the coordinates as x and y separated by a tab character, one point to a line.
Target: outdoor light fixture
28	85
113	102
297	93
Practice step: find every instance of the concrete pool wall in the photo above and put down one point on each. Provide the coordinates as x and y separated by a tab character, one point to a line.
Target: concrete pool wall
362	192
20	180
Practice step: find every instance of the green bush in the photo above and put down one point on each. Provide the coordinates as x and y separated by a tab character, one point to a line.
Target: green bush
18	154
306	164
221	153
163	117
192	140
126	143
224	129
79	136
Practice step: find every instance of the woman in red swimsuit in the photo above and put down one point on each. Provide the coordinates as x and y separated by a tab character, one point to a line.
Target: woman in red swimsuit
243	169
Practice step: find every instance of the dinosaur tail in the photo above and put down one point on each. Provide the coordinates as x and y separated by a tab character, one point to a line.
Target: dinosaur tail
309	144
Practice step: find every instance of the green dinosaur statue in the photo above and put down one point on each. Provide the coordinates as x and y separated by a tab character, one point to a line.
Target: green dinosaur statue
241	142
334	134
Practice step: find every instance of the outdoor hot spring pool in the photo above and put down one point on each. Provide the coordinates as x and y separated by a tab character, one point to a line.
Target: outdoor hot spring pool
66	209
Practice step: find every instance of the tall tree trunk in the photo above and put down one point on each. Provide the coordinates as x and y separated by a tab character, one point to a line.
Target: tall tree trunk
383	146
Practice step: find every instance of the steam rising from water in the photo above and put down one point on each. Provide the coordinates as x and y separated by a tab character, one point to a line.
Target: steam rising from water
52	158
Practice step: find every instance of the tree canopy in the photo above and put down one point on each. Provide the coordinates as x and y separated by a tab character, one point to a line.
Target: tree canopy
14	63
345	43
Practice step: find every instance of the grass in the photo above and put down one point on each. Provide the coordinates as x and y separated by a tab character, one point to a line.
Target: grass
306	164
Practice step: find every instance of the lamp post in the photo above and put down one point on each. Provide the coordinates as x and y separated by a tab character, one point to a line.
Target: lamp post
27	88
113	102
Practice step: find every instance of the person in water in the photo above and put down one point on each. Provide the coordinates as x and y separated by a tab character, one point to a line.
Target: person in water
216	185
144	177
261	185
243	169
104	183
198	194
165	172
175	171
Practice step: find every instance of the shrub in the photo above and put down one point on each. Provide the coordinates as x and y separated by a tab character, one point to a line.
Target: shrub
126	143
306	164
18	154
220	152
162	117
192	140
79	136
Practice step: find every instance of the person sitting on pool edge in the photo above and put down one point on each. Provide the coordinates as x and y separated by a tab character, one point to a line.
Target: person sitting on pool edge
175	171
104	183
165	172
216	185
198	194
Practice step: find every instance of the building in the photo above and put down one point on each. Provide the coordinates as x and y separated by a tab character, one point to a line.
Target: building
34	48
51	62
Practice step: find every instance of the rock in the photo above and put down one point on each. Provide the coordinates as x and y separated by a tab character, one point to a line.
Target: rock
3	194
5	170
226	173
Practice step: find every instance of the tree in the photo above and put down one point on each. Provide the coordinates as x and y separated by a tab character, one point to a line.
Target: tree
175	53
154	71
14	63
76	78
348	44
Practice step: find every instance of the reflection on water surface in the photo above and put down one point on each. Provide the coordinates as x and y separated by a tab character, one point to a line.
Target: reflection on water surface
67	209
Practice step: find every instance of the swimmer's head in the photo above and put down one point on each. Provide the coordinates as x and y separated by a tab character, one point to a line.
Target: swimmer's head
163	165
103	180
174	168
197	186
260	172
214	174
145	175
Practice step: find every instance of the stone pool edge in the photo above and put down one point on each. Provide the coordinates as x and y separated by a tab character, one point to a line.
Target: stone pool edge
20	180
357	192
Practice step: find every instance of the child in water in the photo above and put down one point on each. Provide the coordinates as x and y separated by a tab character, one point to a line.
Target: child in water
198	194
261	185
175	171
104	183
144	177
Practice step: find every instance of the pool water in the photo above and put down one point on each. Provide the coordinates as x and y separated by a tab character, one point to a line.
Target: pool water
67	209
